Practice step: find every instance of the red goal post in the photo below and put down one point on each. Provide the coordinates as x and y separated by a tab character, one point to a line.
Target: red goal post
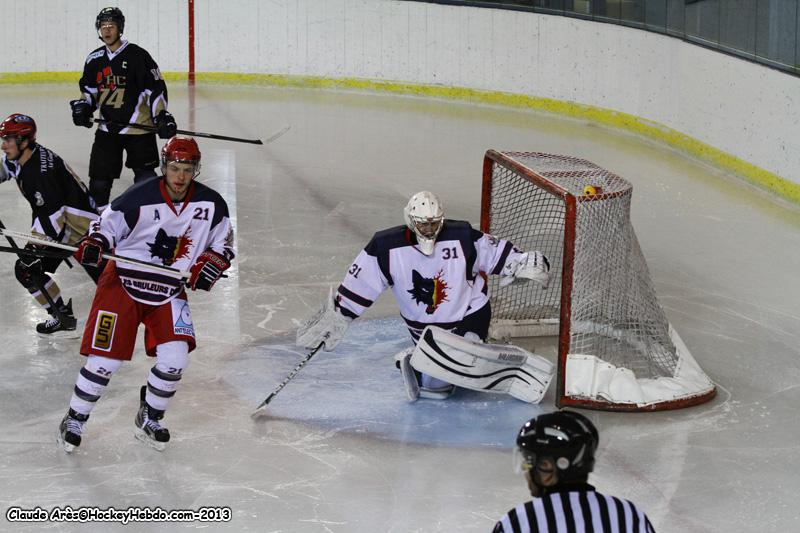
616	348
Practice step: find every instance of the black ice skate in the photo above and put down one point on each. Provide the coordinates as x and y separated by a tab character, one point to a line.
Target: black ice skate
70	429
63	326
148	430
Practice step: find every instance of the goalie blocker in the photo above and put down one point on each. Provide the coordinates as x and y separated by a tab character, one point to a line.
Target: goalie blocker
484	367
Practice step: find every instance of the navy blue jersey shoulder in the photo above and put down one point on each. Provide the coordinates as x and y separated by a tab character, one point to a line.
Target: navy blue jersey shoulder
146	192
463	232
458	230
400	236
204	193
387	239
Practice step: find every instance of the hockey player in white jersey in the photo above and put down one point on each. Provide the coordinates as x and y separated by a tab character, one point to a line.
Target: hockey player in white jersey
435	269
172	221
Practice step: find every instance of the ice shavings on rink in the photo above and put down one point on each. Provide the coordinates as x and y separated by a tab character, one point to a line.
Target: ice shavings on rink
356	388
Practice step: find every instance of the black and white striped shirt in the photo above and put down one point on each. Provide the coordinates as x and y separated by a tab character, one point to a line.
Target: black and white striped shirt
575	509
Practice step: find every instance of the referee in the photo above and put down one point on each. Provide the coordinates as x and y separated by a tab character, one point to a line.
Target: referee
556	453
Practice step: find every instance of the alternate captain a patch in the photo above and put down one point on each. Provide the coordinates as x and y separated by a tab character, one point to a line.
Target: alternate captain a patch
429	291
104	327
168	248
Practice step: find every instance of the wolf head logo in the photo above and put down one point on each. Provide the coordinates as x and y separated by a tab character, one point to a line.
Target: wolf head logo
169	249
429	291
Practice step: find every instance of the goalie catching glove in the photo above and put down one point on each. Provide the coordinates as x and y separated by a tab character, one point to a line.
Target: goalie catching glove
328	326
207	270
530	265
482	367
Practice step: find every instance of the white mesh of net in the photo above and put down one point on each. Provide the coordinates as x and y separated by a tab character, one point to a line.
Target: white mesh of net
615	314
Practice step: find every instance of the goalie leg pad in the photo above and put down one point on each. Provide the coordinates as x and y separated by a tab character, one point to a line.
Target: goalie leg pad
483	367
420	385
403	360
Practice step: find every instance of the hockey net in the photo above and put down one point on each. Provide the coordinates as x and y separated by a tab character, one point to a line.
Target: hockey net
616	348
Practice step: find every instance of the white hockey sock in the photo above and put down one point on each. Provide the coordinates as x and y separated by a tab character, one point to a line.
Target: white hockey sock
92	381
171	360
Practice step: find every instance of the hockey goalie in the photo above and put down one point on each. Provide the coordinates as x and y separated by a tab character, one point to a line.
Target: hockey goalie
434	267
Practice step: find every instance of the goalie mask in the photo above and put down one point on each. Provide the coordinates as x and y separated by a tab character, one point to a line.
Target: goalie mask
564	439
424	216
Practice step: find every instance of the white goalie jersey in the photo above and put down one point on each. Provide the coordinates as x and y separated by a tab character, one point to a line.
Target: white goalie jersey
144	224
438	289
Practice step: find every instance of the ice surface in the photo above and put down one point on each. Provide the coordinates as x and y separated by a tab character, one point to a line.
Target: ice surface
340	449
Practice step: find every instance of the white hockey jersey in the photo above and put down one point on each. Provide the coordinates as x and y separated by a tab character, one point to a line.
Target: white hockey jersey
438	289
144	224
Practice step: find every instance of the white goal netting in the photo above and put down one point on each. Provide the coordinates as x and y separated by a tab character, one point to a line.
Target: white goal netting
617	349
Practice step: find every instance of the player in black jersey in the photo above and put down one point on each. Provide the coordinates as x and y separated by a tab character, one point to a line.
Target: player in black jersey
61	211
124	83
556	452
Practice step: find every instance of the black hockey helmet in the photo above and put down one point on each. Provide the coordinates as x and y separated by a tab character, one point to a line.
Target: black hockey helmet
114	14
568	438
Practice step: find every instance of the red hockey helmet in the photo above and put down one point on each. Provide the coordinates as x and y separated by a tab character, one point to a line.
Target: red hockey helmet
20	126
181	150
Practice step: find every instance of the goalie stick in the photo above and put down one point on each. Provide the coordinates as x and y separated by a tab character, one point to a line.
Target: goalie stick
262	406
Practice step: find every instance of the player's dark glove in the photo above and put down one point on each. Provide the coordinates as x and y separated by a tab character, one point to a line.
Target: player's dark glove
81	113
29	267
165	124
207	270
89	252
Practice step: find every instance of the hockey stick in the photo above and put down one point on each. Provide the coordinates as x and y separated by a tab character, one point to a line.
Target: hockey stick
129	260
42	254
262	406
277	135
39	285
183	132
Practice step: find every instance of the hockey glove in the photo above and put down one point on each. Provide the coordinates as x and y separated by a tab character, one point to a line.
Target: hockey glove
29	267
328	325
81	113
165	122
530	265
207	270
89	252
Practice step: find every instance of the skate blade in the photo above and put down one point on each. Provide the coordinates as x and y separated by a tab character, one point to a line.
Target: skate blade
142	436
64	445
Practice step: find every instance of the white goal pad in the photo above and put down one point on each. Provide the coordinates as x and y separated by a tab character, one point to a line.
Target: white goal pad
483	367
